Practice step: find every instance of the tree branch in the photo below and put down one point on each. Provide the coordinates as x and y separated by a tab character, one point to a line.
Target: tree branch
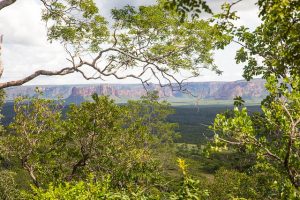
19	82
5	3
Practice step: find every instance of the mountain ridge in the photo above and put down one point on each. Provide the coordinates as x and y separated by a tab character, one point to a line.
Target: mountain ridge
223	90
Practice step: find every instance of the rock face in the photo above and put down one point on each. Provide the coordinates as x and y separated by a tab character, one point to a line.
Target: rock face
205	90
228	90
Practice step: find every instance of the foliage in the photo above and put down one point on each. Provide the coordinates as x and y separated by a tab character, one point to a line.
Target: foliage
8	188
76	22
231	184
96	189
34	137
184	7
189	188
271	136
118	142
96	137
161	34
100	140
152	114
90	189
272	48
149	39
238	101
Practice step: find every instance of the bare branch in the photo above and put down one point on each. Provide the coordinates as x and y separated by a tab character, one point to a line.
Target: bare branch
5	3
19	82
111	67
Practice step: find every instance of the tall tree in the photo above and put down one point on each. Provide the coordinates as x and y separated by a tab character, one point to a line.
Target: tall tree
271	50
34	138
272	136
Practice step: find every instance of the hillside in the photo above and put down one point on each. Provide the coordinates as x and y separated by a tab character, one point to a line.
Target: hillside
253	90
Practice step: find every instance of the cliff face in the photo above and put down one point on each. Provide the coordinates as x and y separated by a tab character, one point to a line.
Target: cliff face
204	90
118	91
50	92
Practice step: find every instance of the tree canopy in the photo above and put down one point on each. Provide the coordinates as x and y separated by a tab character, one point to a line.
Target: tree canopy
148	43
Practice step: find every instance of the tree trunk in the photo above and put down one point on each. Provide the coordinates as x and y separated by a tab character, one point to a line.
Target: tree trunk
1	64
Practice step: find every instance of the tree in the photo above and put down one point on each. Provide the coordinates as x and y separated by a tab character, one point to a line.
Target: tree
100	140
152	41
271	50
272	136
34	138
153	114
102	189
97	137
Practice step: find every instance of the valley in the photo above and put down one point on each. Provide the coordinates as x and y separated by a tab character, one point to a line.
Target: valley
201	93
193	113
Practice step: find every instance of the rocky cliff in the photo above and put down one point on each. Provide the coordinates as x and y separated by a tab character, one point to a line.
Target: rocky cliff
205	90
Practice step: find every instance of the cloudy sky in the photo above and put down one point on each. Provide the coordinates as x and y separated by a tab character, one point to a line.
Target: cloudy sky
26	48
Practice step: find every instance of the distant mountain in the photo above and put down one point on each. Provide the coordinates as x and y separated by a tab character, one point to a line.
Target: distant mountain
204	90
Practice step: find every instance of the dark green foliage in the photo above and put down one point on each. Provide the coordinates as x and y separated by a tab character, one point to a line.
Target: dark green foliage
184	7
194	121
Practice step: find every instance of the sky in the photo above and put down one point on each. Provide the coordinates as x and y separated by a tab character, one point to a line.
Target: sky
26	48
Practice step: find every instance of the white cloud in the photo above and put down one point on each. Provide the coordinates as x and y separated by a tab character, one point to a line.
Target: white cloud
21	23
26	48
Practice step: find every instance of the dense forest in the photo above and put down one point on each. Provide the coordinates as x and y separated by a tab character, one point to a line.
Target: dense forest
99	149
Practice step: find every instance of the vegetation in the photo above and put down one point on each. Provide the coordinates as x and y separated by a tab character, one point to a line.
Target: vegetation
193	121
153	41
101	150
97	137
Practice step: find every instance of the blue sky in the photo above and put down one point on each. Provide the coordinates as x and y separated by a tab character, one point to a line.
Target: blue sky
26	48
